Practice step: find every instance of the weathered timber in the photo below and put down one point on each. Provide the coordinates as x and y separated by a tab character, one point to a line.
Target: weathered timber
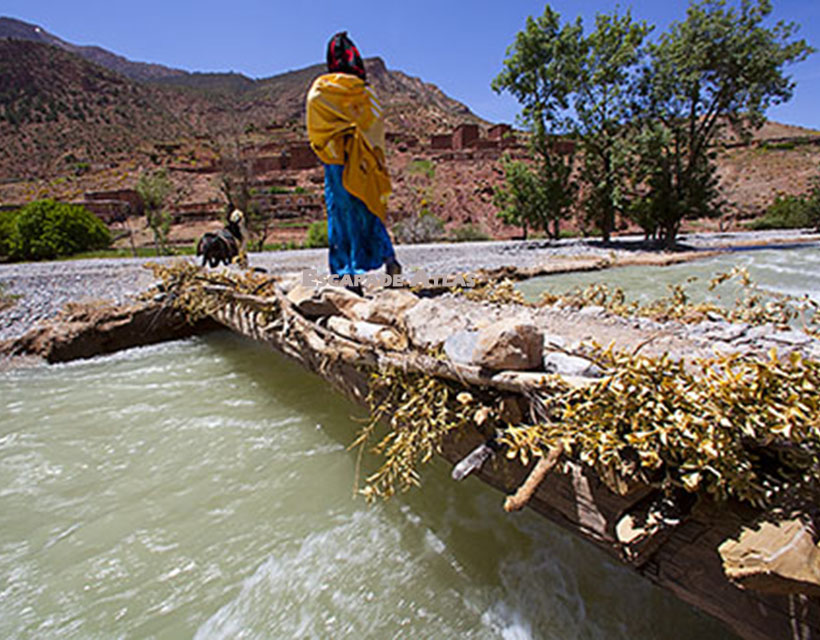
86	330
678	550
775	557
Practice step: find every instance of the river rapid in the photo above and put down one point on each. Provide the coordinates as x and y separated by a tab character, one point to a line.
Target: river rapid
203	489
792	271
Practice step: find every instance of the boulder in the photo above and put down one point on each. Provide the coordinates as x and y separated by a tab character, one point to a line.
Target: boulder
569	365
429	323
509	344
460	345
387	307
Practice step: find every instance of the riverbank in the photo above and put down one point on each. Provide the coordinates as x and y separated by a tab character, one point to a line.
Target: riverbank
42	289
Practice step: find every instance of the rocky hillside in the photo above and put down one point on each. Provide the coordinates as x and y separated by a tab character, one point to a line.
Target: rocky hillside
61	100
58	110
19	30
77	119
412	102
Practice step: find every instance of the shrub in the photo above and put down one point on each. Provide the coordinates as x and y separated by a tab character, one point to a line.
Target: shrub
790	212
468	233
8	232
317	235
47	229
422	167
425	227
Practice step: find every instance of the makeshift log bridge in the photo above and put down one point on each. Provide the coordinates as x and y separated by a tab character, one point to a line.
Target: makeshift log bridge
688	449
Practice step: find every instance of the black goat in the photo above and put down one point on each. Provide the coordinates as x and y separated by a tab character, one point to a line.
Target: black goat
222	246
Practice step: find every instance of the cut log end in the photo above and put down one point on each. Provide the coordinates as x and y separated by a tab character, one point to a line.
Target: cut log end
774	557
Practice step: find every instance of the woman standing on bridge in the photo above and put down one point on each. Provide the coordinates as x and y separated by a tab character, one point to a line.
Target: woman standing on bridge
346	130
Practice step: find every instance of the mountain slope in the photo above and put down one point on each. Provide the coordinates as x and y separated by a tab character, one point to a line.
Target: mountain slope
58	99
19	30
54	104
411	105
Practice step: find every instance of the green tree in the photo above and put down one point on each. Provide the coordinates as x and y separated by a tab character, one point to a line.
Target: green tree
155	188
604	95
569	83
521	197
541	71
719	67
538	194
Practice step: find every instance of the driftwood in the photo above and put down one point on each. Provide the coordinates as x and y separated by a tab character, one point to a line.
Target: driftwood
677	551
539	472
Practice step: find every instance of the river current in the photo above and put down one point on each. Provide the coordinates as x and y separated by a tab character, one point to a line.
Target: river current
203	489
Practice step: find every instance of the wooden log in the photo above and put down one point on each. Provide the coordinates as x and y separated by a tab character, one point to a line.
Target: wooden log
685	562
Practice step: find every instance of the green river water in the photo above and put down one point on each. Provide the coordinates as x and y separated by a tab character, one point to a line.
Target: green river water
203	489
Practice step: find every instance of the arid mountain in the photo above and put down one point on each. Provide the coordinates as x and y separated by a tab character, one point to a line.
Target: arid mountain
59	99
56	106
80	120
280	97
19	30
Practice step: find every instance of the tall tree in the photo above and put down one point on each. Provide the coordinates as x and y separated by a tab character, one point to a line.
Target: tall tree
719	67
541	71
569	83
604	96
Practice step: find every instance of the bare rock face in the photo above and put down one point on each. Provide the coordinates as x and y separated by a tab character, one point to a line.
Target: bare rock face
509	344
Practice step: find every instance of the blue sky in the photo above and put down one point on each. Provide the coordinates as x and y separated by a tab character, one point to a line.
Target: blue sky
459	46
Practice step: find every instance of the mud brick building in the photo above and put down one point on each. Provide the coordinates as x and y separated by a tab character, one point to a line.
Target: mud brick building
465	136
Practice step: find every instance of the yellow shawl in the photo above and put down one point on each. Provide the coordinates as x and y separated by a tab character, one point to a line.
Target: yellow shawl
345	120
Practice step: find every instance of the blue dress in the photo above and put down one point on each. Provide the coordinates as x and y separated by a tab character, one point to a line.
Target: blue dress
358	240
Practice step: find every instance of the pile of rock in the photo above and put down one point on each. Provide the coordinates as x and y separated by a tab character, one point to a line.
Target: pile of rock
550	340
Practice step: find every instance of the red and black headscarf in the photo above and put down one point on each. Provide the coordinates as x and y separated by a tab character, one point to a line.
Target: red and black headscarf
343	56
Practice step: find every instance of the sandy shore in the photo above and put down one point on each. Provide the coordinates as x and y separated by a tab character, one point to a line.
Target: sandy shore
43	288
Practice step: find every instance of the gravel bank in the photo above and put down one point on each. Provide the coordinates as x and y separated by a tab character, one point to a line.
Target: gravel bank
45	287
